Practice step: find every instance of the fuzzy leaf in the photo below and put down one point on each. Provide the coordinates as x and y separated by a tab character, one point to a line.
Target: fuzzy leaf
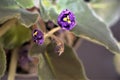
44	72
35	49
6	26
16	36
25	3
25	17
10	9
109	10
89	26
47	10
67	66
8	4
2	62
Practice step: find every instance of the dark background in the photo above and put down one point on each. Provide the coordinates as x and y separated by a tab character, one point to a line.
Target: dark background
97	60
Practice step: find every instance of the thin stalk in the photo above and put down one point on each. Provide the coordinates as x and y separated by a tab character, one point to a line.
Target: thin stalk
13	65
50	33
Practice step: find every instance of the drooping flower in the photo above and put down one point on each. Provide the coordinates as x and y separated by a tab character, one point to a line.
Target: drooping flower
38	37
66	20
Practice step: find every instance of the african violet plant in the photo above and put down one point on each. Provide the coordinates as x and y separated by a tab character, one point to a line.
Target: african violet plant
33	35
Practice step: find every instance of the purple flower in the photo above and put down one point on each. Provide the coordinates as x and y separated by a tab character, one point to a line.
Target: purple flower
66	20
38	37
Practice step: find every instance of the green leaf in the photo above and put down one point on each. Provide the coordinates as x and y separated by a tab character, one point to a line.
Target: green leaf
6	26
25	17
89	26
16	36
67	66
25	3
9	9
109	10
8	4
2	62
47	10
36	49
44	72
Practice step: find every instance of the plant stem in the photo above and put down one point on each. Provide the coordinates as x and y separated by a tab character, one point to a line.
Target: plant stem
13	65
51	32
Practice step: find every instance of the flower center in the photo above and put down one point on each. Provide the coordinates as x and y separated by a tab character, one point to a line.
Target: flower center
35	33
67	19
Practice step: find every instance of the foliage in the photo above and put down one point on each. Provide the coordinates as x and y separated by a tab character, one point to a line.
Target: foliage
2	61
19	18
108	10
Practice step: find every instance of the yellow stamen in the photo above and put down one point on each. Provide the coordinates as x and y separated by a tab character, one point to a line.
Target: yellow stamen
67	19
35	33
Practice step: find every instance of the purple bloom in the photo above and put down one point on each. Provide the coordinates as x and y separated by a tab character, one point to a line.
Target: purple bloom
38	36
66	20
